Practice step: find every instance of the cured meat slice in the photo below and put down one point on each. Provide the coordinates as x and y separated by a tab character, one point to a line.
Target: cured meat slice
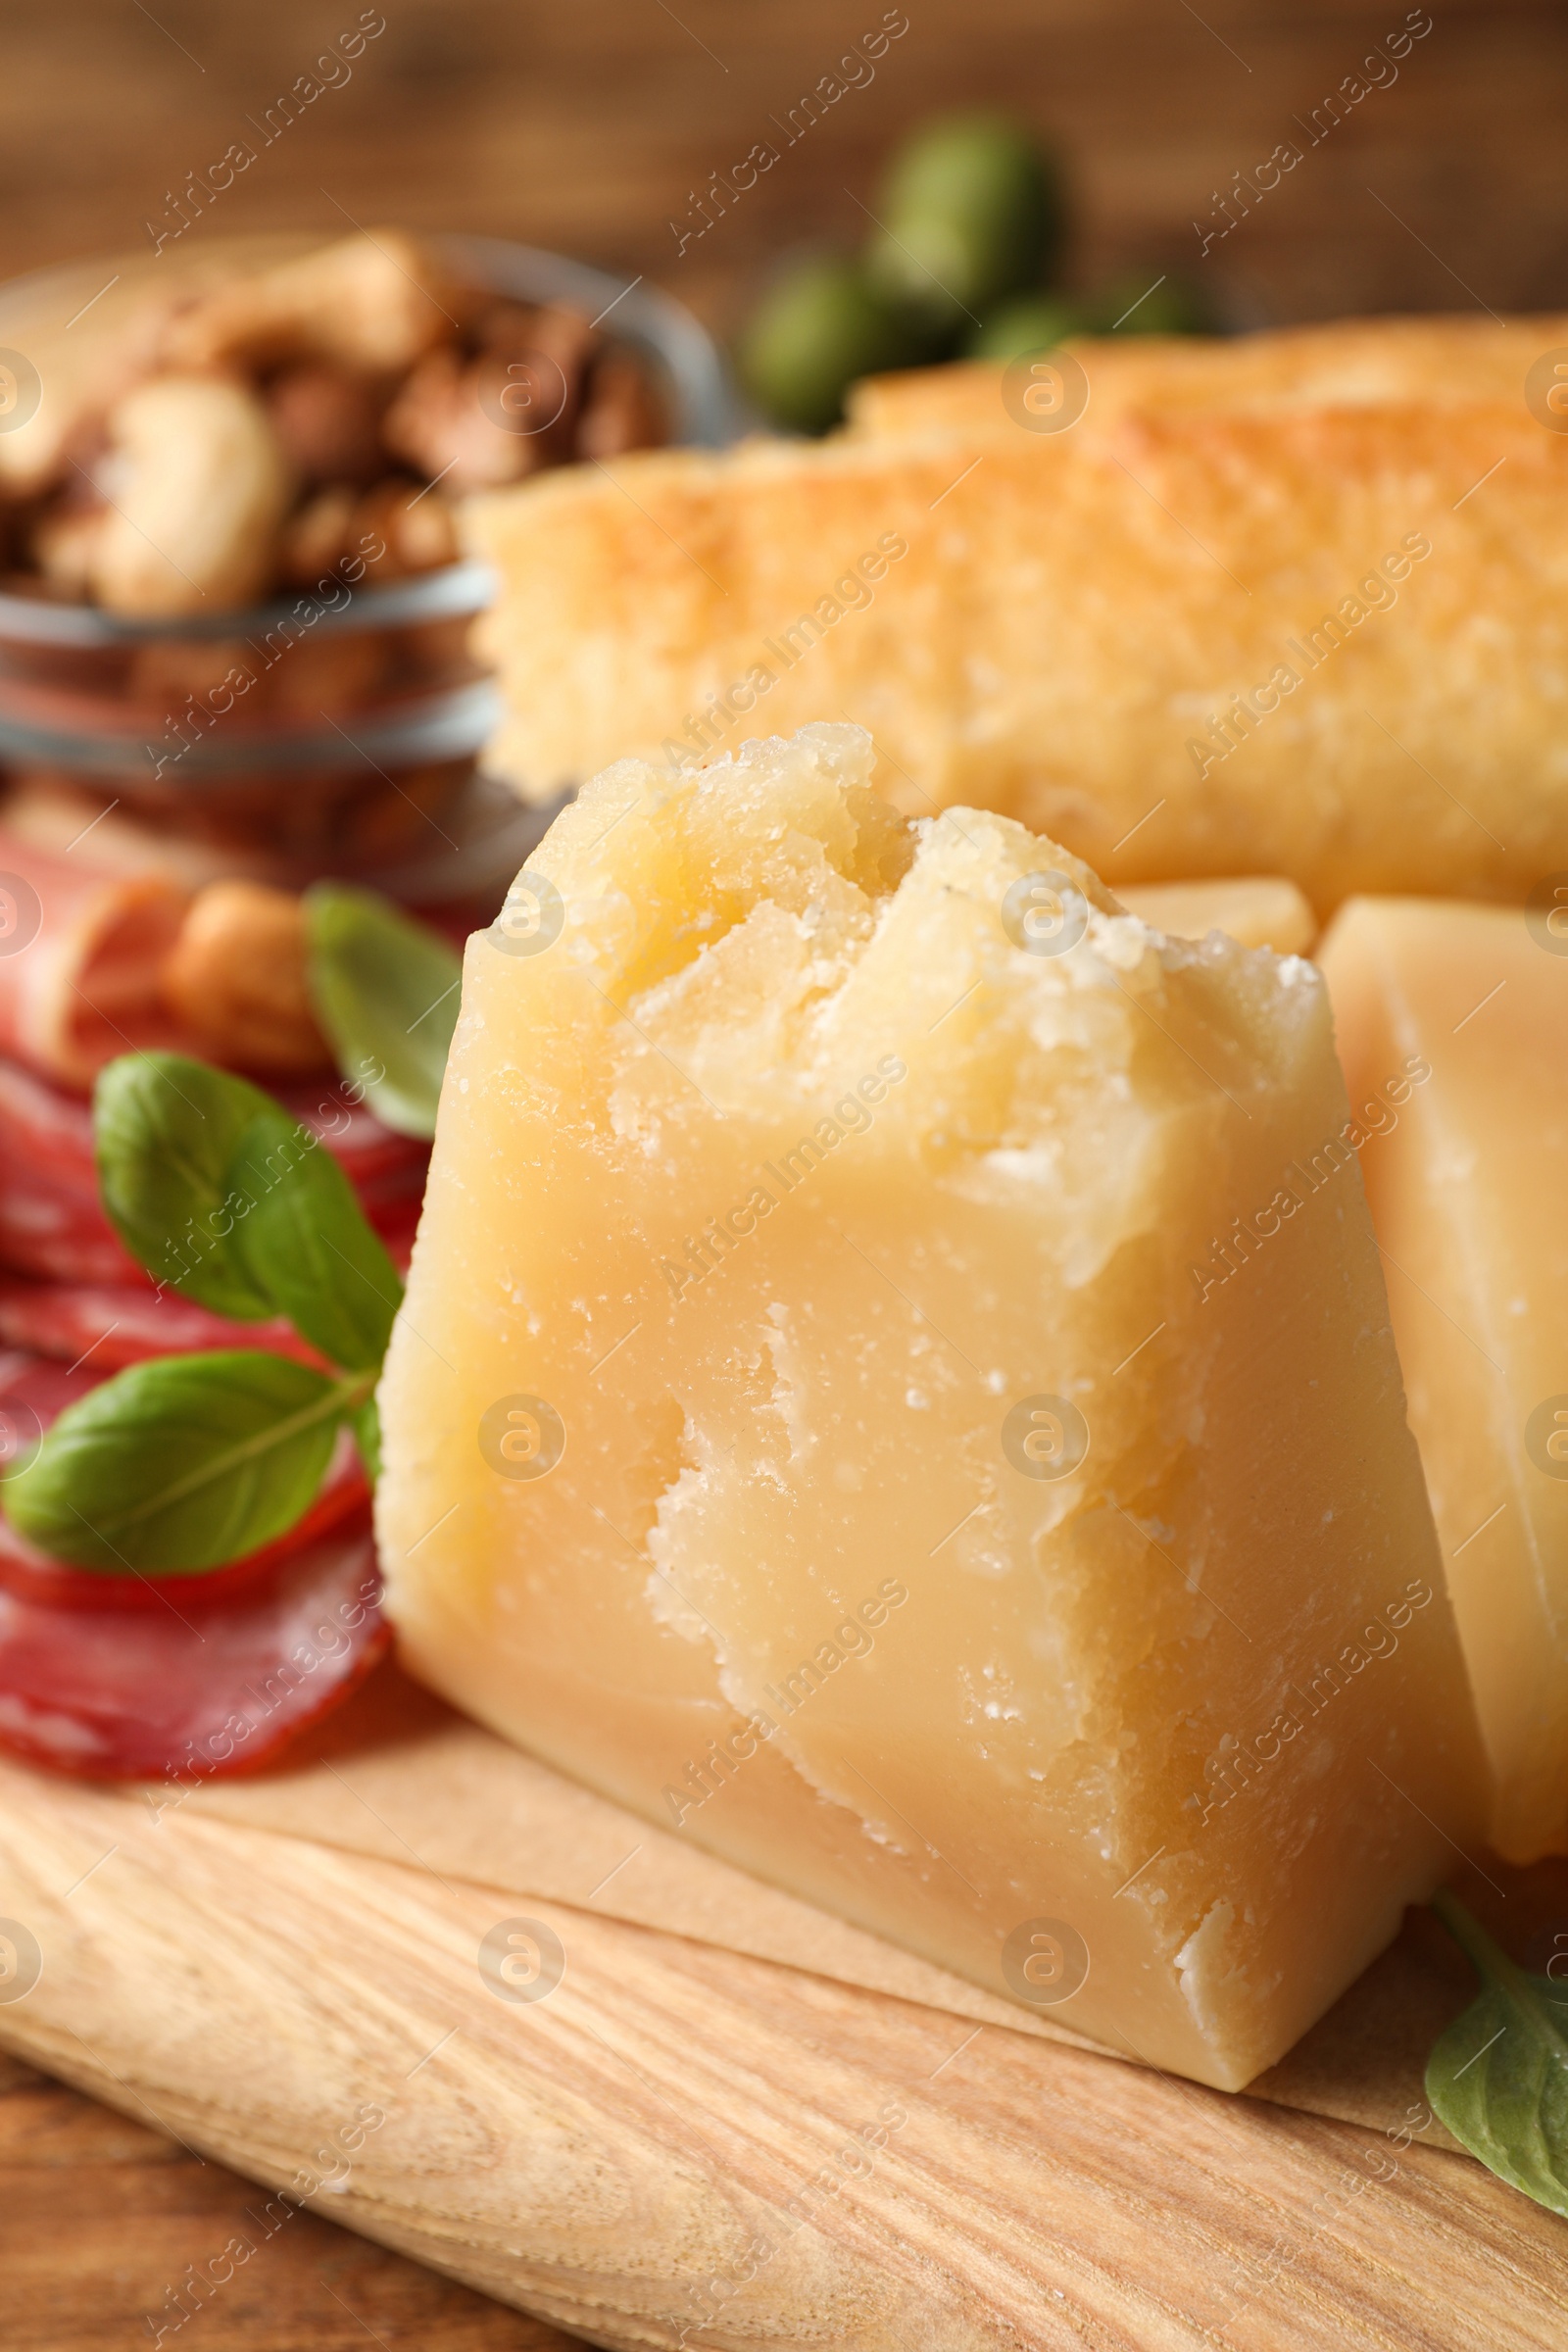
79	978
95	959
179	1678
98	961
51	1222
208	1685
34	1391
114	1324
386	1170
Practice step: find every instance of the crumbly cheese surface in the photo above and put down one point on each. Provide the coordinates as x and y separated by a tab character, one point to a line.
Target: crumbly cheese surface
1452	1021
895	1386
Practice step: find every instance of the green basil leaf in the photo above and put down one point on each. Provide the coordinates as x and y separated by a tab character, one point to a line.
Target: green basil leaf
367	1427
387	992
1498	2076
306	1246
166	1128
182	1464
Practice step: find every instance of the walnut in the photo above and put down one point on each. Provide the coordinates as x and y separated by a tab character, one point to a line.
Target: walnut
621	410
450	421
327	422
478	423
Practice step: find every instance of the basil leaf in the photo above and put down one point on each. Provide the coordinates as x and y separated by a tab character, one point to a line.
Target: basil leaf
183	1463
1498	2076
387	992
367	1427
166	1128
305	1243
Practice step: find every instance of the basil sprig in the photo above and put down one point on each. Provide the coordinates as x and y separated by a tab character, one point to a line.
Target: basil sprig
308	1248
385	989
190	1461
167	1131
1498	2076
222	1196
183	1463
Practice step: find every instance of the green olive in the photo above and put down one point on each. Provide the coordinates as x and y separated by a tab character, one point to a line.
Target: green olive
1145	304
970	210
821	326
1028	323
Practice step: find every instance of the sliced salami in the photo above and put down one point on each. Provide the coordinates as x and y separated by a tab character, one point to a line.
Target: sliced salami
109	1325
52	1223
51	1220
386	1170
178	1679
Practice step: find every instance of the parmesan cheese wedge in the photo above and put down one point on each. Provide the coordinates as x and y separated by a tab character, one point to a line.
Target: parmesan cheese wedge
1451	1022
860	1401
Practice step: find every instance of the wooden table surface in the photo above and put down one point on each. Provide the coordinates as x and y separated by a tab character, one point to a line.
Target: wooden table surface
586	128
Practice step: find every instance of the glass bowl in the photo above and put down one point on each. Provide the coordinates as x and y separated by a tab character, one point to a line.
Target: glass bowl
335	731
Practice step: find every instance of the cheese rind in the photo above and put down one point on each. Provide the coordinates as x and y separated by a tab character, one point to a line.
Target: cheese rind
927	1520
1451	1022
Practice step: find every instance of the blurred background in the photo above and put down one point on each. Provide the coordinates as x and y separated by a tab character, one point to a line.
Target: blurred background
592	127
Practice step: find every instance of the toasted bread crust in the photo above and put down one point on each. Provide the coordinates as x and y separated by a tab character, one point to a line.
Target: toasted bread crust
1070	616
1353	363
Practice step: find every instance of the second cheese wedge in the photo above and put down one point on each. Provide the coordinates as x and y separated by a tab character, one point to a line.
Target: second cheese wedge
1452	1023
1261	910
862	1399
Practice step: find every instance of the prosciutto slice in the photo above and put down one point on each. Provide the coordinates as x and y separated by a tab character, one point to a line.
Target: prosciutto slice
179	1678
81	954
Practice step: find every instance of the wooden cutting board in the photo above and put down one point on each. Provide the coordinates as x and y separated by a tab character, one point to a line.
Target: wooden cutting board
681	2134
99	2215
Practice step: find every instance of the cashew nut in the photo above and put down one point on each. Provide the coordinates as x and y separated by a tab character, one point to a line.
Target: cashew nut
197	488
316	539
371	302
65	540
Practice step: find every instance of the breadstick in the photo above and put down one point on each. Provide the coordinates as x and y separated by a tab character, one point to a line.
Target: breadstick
1353	363
1328	643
